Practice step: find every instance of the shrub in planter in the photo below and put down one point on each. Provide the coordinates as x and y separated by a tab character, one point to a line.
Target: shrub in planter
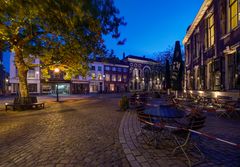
124	103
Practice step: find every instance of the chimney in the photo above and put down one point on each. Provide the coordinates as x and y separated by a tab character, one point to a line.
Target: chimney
124	55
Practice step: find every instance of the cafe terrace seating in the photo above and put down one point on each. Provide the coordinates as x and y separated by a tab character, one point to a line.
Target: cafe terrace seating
183	136
147	125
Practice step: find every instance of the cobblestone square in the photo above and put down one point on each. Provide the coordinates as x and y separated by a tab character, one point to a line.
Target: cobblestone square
91	131
76	132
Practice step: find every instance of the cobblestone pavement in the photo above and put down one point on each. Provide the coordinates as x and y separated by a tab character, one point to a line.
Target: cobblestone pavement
139	153
89	131
72	133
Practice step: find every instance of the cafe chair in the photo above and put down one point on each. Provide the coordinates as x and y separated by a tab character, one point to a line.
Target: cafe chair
148	127
183	137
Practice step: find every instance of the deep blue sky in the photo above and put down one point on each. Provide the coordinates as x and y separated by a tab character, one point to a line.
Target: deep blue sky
152	25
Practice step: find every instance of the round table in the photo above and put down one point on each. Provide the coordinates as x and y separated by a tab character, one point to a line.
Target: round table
166	112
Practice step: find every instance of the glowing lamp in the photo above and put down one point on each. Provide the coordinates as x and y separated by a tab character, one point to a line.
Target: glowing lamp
56	70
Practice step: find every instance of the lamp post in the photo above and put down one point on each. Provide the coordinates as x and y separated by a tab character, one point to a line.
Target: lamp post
6	86
56	71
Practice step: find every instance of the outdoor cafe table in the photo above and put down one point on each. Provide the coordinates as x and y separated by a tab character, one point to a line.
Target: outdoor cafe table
166	113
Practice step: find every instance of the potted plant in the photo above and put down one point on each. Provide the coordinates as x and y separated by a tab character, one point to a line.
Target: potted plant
124	103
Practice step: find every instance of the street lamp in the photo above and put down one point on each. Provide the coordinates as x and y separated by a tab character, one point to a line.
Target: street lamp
56	71
6	86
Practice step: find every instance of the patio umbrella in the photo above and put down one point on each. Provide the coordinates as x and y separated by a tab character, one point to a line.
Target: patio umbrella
177	68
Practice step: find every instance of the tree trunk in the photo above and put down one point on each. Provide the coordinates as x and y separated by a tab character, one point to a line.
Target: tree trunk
22	73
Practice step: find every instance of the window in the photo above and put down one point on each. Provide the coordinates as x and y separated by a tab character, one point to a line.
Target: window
125	78
77	77
136	73
32	87
211	31
233	6
93	88
196	46
119	69
119	78
99	68
93	68
15	87
107	77
233	65
93	76
99	76
107	68
114	78
112	87
114	69
56	75
125	70
31	73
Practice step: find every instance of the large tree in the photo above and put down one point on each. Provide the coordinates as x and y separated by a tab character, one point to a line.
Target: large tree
60	33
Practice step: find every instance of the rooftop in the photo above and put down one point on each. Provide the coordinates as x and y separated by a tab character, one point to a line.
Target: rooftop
140	58
197	19
110	60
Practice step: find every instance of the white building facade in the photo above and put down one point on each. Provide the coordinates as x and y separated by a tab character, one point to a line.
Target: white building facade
33	78
92	83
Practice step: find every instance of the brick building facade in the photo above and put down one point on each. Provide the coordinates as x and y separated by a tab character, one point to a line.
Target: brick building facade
145	74
212	48
116	76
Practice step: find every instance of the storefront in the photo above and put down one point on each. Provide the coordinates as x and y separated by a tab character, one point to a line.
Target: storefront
80	87
96	87
51	88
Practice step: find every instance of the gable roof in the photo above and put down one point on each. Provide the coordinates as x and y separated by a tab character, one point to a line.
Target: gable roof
140	58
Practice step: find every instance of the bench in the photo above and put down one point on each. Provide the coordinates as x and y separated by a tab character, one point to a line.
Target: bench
24	103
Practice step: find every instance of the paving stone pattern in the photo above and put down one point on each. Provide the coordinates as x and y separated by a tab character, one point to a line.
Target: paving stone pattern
90	131
72	133
140	153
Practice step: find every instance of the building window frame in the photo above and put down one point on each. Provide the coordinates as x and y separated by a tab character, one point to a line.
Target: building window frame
108	77
31	73
100	77
107	68
99	68
93	68
119	78
93	76
32	88
114	78
233	14
119	69
114	69
211	30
